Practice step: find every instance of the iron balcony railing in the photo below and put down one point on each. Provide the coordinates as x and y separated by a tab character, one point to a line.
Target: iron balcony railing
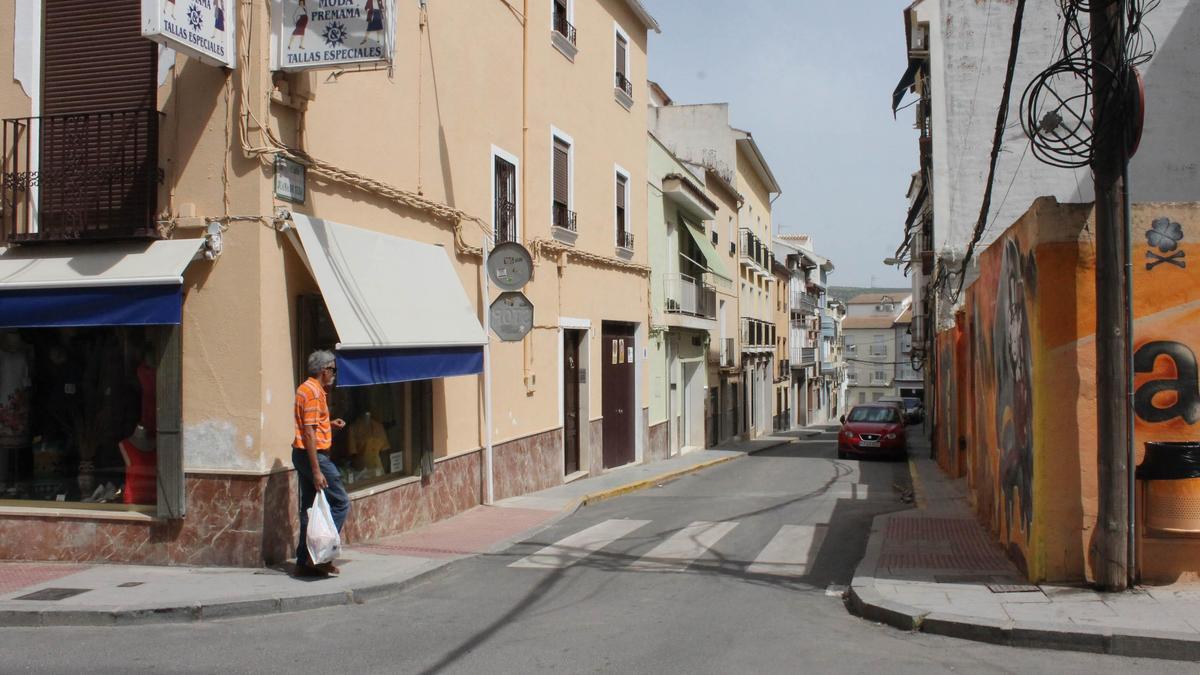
803	356
803	303
80	176
562	216
756	333
755	250
687	295
625	240
623	84
564	28
506	221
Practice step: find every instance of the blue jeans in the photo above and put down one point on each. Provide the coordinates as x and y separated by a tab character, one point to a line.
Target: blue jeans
335	494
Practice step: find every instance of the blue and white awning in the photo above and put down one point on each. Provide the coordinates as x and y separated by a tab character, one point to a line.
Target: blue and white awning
399	308
94	284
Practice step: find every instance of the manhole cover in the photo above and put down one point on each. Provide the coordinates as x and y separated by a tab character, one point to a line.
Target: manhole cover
53	594
1013	588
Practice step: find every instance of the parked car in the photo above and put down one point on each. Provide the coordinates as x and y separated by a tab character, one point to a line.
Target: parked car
873	430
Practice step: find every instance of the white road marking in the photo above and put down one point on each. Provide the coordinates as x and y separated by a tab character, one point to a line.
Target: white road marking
578	546
683	547
788	551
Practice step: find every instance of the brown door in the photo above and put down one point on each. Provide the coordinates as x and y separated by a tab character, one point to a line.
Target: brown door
618	356
99	128
571	401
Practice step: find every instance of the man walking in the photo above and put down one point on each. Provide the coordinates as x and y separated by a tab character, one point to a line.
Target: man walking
310	455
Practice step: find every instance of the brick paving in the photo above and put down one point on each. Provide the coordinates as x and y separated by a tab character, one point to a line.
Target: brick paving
15	576
475	531
939	544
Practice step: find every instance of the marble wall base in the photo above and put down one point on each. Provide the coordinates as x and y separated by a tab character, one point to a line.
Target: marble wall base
455	486
658	449
528	464
227	524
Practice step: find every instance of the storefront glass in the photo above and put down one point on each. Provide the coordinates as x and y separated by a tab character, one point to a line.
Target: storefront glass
78	414
388	432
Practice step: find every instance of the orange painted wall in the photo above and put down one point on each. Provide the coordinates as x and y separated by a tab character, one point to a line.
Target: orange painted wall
1022	382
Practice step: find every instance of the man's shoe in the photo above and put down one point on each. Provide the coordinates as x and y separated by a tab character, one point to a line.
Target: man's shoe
329	568
312	571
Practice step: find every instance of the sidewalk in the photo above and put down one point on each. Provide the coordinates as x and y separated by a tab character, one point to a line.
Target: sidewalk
937	570
60	594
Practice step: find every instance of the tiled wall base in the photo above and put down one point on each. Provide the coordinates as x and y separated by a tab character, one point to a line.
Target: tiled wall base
596	461
224	526
455	486
528	464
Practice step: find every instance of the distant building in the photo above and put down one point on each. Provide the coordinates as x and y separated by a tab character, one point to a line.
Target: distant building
872	351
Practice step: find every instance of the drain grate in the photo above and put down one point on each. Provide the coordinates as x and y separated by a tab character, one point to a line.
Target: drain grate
53	594
1013	588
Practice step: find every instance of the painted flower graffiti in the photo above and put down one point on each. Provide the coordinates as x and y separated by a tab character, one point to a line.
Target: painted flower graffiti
1165	235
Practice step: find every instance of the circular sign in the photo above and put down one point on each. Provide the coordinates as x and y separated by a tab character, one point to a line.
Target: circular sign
511	316
510	266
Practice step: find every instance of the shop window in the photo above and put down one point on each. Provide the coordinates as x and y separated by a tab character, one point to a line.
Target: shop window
80	411
389	427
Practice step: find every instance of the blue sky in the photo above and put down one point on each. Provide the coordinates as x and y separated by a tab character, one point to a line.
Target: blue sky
812	81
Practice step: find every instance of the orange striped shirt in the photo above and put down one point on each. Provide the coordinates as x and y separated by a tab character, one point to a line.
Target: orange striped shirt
312	410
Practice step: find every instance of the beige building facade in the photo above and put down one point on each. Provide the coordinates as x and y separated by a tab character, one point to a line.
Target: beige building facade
407	182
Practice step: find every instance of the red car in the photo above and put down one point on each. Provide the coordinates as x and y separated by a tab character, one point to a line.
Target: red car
872	431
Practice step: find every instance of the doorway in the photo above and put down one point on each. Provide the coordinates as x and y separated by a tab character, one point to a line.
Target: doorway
572	382
619	355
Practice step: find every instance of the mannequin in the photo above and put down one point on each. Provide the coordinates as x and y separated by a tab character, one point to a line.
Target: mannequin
16	390
368	440
141	467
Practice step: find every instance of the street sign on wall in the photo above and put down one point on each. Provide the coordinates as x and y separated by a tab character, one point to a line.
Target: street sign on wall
290	183
511	316
202	29
331	33
510	266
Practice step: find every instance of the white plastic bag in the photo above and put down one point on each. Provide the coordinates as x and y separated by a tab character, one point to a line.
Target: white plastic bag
322	538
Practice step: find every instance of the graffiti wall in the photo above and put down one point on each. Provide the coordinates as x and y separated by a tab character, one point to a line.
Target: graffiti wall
1021	375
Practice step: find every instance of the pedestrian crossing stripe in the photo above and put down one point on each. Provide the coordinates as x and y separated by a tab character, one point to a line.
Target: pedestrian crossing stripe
787	554
578	546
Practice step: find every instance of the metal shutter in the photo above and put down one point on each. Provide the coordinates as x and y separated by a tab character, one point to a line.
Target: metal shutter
621	48
561	151
95	58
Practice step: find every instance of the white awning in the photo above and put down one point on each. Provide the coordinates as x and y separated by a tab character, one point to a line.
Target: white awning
385	292
95	264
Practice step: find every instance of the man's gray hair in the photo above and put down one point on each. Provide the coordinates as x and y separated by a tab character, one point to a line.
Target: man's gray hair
318	361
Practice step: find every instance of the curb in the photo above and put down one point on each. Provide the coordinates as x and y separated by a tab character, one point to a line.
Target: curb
865	601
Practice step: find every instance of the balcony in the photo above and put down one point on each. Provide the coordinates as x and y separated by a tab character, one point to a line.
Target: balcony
689	296
728	356
785	370
562	217
564	28
757	336
563	34
623	90
755	251
81	176
625	240
803	303
803	356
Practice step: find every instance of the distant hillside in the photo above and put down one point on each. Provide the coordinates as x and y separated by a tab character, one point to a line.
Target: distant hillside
844	293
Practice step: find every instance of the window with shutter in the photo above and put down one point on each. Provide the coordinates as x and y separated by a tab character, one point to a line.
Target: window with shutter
560	206
99	126
620	208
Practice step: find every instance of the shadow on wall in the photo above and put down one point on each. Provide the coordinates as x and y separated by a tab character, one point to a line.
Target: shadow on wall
1167	165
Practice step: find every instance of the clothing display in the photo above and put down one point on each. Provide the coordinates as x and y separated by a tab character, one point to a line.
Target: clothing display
16	390
368	440
141	468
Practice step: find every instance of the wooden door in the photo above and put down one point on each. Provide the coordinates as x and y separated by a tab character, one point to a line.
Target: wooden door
571	417
617	385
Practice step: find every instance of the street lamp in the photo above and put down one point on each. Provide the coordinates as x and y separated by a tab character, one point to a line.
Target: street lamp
897	261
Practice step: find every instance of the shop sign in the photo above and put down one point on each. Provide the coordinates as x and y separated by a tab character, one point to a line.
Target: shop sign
511	316
510	266
290	183
330	33
202	29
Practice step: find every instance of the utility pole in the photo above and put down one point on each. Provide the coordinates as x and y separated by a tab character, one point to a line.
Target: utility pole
1112	304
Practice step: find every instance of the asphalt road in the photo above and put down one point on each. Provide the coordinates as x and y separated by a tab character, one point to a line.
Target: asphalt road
734	569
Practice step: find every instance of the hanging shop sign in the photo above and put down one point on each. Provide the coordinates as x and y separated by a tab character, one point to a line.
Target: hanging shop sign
510	266
511	316
330	33
202	29
290	180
